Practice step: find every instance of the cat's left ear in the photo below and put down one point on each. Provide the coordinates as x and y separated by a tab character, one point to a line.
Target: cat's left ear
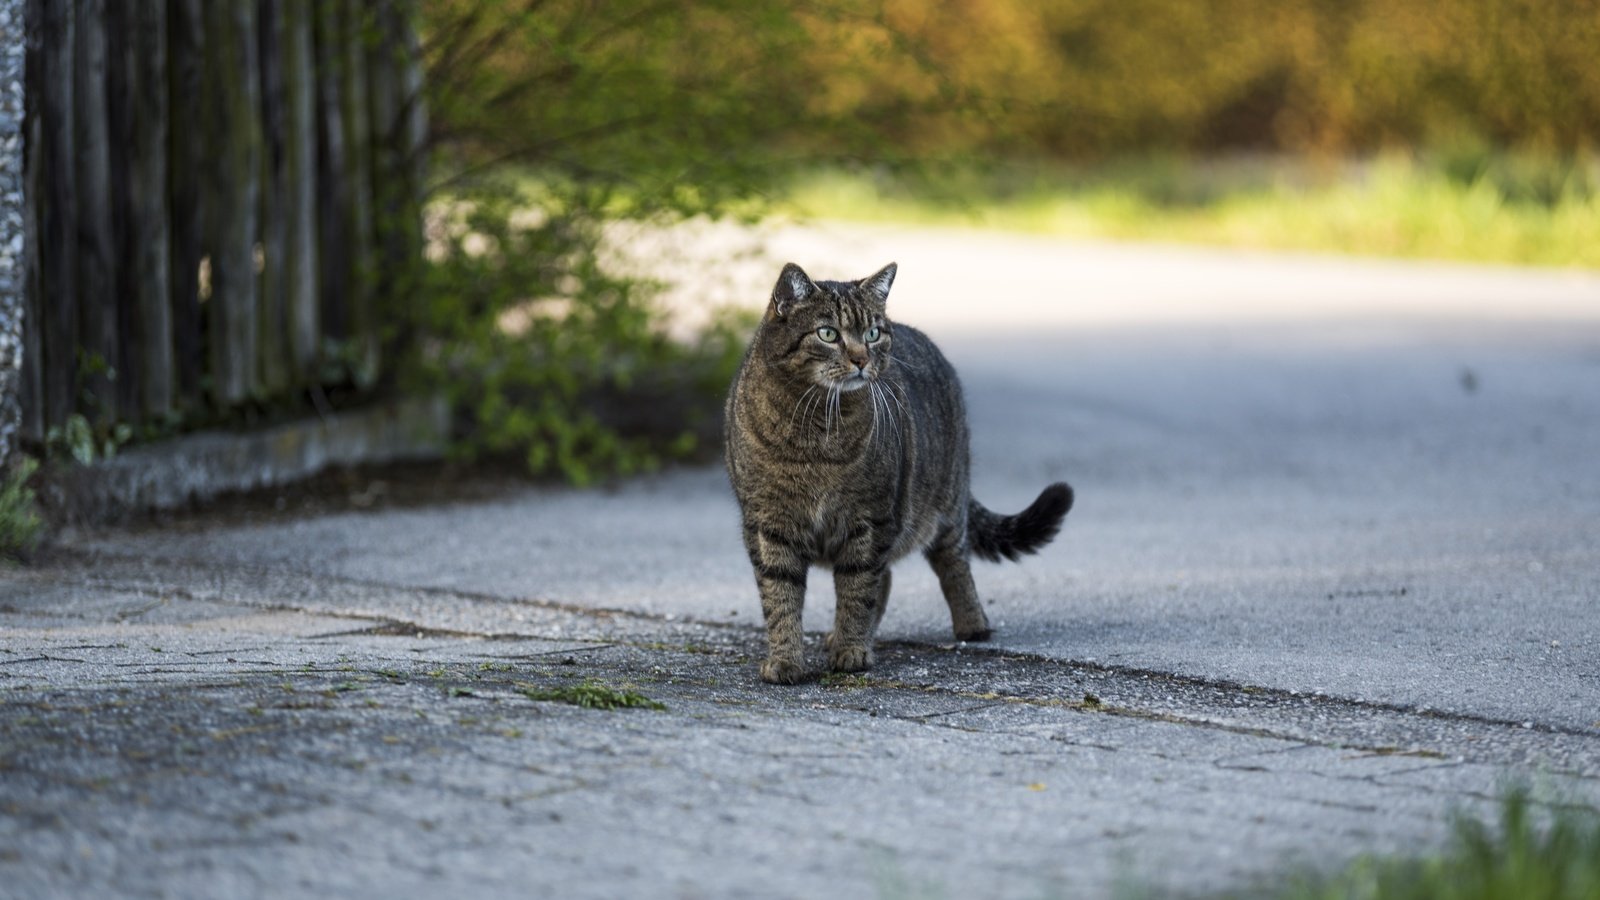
878	285
793	287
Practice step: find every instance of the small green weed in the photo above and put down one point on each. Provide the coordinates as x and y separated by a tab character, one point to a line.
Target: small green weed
1524	855
83	442
592	695
20	524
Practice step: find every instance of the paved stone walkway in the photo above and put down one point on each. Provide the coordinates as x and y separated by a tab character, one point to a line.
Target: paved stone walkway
191	731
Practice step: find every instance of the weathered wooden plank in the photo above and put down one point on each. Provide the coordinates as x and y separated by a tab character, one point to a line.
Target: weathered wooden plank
272	355
300	198
233	135
97	277
184	136
186	148
58	211
356	118
333	188
414	114
393	81
125	231
150	280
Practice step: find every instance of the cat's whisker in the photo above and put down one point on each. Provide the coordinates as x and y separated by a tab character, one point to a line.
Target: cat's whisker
820	399
899	398
833	408
888	413
872	394
885	395
878	401
797	406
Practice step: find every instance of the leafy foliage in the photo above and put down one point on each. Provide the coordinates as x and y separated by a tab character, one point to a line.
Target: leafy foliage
675	91
550	119
660	110
655	107
1093	78
20	524
553	357
84	443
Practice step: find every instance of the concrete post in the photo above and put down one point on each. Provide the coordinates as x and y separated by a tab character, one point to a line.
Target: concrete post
13	44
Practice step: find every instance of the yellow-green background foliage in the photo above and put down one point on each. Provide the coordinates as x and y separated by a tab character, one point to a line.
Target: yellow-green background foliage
1261	123
1089	77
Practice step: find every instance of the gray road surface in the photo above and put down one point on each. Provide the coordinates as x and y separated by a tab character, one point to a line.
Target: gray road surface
1333	573
1396	506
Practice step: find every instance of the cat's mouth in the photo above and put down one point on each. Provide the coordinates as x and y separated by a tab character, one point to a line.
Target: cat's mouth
852	382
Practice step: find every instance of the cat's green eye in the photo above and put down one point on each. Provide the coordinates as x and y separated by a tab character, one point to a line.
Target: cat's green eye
828	334
873	334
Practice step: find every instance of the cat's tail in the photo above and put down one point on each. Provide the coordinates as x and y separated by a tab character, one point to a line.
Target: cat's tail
995	537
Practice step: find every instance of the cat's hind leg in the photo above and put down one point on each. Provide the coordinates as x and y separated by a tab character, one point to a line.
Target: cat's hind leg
883	604
950	558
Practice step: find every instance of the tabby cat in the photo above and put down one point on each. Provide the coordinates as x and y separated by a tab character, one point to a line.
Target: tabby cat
847	447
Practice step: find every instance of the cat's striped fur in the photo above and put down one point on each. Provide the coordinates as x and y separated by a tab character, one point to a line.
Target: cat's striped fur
847	448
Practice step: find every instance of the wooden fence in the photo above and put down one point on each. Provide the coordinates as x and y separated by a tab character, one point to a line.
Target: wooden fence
223	202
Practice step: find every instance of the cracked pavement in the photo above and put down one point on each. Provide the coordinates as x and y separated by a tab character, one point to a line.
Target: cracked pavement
236	734
1321	591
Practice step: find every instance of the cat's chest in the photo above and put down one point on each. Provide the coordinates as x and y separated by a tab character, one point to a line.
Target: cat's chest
829	521
824	518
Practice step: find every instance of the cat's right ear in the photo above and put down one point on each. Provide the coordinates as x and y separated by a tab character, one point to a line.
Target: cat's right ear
793	287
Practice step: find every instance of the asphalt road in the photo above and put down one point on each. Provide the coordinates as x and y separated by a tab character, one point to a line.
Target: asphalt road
1332	576
1374	480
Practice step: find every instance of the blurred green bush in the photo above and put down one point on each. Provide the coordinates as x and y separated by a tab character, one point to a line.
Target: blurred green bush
703	83
549	357
661	110
1085	78
550	119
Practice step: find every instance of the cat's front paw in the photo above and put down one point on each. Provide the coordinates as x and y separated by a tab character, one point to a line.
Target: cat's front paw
857	658
781	670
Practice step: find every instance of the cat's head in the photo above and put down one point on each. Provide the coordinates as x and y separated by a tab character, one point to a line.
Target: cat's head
831	333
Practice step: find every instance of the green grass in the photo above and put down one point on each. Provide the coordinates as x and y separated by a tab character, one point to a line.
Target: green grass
592	695
1527	855
1472	206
